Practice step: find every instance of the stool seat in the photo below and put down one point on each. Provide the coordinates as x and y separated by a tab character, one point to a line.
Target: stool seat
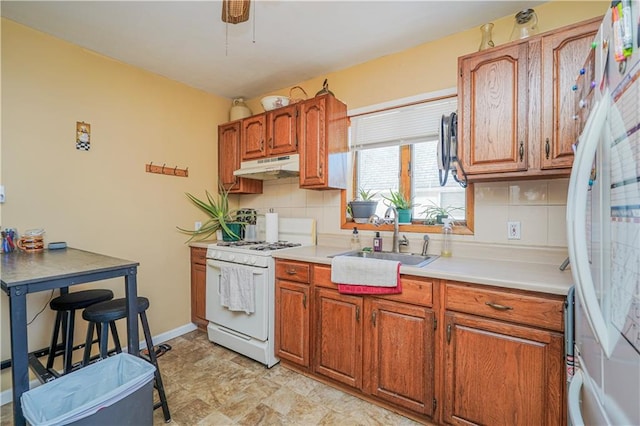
66	305
112	310
102	316
79	299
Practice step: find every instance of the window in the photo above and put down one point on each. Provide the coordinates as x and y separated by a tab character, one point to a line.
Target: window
396	149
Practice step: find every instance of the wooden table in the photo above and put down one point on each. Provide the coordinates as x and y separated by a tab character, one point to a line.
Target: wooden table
23	273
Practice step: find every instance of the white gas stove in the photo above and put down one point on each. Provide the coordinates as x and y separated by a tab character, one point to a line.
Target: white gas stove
249	330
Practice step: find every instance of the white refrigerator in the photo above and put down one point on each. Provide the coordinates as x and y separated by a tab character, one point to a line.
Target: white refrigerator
603	227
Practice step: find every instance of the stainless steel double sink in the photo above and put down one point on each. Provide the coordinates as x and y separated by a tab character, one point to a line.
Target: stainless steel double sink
408	259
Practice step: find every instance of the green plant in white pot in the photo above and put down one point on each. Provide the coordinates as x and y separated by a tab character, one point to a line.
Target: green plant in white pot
364	206
220	217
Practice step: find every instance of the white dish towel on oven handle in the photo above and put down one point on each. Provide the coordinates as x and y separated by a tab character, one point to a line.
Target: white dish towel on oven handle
237	292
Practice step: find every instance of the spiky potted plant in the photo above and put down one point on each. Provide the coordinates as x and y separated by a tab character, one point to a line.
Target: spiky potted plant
220	217
401	203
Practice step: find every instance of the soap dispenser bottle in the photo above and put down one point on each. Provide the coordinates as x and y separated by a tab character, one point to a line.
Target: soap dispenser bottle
377	242
355	239
447	230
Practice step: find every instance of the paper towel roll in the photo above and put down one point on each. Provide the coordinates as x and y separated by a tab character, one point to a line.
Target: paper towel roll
271	227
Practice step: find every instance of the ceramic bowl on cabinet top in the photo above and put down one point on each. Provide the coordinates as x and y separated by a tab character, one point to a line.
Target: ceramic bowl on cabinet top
273	102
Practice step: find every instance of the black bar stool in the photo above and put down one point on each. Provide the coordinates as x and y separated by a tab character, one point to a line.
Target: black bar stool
66	305
103	315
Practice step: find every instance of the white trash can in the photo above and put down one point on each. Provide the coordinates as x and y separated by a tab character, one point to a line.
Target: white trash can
114	391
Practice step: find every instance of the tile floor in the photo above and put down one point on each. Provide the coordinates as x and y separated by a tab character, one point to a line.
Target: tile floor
207	384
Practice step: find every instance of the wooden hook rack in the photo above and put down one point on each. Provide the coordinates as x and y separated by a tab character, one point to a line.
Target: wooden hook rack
164	170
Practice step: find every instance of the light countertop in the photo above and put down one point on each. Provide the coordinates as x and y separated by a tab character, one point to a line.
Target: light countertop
539	277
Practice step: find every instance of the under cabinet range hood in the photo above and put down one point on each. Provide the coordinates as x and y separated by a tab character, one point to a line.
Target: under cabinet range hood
270	168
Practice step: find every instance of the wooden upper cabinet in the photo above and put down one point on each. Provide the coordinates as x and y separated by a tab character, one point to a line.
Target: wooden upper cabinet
323	144
269	134
282	131
493	113
253	138
563	55
229	161
517	106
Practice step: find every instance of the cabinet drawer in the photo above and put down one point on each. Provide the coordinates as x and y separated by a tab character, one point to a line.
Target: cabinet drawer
322	276
538	311
292	271
414	290
198	255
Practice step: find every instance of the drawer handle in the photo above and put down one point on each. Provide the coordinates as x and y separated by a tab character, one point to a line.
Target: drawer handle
291	271
498	306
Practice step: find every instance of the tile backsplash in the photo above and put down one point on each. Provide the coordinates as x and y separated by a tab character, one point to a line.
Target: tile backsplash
539	206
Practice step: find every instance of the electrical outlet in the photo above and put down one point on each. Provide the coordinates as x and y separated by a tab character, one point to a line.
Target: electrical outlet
197	226
513	230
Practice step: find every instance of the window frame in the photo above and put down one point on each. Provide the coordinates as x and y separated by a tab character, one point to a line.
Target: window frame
417	226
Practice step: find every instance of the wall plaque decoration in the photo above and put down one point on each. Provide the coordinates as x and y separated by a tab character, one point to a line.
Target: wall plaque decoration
83	136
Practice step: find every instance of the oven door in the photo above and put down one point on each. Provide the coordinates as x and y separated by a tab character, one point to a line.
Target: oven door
253	325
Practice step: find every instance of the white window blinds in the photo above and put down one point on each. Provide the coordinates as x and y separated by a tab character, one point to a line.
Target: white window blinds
400	126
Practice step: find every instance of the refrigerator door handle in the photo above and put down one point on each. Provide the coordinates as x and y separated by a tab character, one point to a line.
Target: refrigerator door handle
575	415
576	220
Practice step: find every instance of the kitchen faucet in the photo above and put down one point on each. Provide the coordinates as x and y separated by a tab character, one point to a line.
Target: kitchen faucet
396	228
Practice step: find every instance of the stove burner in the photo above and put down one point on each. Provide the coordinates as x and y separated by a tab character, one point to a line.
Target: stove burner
238	243
274	246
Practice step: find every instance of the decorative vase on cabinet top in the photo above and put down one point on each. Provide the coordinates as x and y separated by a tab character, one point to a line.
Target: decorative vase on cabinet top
239	110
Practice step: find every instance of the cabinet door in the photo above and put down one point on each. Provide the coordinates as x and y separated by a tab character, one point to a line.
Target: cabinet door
292	322
399	358
229	161
338	341
313	138
563	55
198	287
228	153
282	136
493	88
254	131
502	374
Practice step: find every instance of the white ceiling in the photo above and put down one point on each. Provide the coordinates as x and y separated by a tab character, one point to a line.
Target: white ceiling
283	43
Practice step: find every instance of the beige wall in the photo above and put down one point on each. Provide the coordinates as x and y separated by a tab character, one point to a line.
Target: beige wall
102	200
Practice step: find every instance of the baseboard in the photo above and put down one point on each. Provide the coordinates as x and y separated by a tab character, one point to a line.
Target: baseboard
7	395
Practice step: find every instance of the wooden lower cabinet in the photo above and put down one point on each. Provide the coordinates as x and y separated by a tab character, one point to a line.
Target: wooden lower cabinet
198	287
292	322
338	336
502	374
442	351
399	354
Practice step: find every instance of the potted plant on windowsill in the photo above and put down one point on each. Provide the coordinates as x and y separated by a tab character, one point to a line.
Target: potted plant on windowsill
402	205
435	213
364	206
220	217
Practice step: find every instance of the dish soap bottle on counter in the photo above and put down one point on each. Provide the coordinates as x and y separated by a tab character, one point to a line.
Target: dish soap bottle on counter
447	230
355	239
377	242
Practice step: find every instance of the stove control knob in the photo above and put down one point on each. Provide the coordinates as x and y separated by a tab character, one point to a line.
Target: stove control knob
253	260
218	255
232	257
245	259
